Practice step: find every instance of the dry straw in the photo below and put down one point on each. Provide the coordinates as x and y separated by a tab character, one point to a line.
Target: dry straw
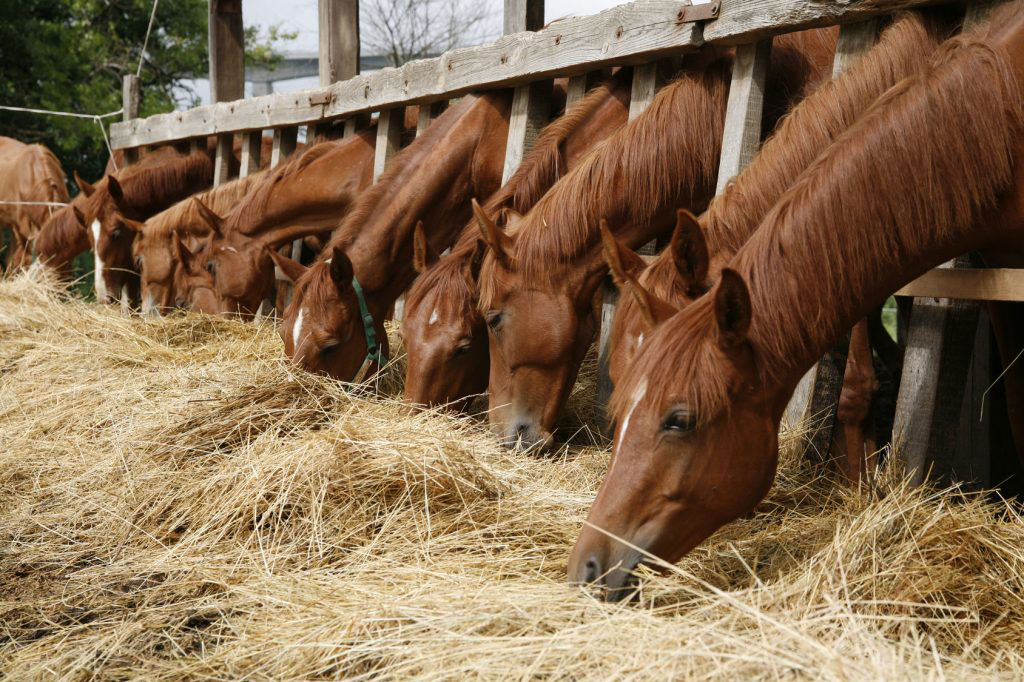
176	502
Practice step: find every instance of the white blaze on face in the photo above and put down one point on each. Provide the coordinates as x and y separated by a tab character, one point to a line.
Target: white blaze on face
296	330
634	400
640	340
433	318
100	282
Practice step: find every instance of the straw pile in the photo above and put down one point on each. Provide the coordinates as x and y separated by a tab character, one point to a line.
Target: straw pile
176	502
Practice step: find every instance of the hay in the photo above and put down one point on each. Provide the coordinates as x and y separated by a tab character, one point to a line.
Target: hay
176	502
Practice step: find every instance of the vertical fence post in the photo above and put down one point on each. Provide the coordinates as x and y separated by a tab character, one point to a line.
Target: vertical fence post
936	365
428	112
130	96
816	397
227	71
644	88
338	53
531	104
252	149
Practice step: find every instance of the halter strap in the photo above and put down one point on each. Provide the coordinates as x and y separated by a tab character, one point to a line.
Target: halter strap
374	351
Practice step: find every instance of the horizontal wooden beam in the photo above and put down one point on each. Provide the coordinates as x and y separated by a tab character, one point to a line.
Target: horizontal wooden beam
633	33
991	284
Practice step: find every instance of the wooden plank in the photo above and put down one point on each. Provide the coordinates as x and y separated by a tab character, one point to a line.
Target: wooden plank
814	400
252	147
284	144
644	88
389	138
428	112
576	90
990	284
523	15
531	111
339	40
130	96
196	145
742	136
222	159
356	123
227	52
632	33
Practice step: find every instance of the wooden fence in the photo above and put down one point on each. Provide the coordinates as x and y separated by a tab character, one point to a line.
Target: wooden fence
941	331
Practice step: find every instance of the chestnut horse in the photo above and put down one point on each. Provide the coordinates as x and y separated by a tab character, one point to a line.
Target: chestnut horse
538	289
334	323
233	273
933	169
154	249
443	332
696	254
28	173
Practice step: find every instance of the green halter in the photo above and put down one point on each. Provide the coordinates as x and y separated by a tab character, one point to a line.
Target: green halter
374	351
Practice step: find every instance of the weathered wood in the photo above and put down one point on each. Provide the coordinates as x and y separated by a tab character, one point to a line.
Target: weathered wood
196	145
130	96
428	112
531	111
816	396
227	52
389	138
252	148
742	136
575	91
994	284
523	15
222	160
285	140
339	40
628	34
644	88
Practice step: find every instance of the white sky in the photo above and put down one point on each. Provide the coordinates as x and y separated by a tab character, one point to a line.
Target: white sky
300	16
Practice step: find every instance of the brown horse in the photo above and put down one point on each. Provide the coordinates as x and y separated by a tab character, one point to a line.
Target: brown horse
334	323
697	254
444	334
154	249
233	273
698	415
28	173
538	289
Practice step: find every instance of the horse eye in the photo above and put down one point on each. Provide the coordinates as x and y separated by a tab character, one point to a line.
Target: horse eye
115	233
494	318
138	263
330	347
679	421
462	348
211	268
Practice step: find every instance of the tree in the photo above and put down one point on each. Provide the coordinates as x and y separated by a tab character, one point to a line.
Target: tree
413	29
70	55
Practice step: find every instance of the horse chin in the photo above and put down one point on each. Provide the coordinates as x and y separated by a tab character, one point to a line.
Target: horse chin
526	437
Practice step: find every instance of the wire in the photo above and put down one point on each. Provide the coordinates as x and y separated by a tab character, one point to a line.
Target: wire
145	43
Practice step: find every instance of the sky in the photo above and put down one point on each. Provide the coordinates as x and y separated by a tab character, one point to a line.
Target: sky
300	16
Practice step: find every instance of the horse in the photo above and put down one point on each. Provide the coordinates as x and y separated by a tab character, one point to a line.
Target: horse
696	253
698	415
28	173
443	333
155	253
538	289
233	273
334	323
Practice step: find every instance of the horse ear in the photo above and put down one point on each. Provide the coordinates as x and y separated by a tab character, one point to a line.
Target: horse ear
422	255
133	225
652	311
341	269
689	252
79	216
213	220
115	189
291	269
511	218
84	187
498	241
476	260
732	309
184	256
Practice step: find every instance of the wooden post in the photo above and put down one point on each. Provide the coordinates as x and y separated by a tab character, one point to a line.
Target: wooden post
742	137
252	147
531	104
816	396
130	96
339	40
644	88
428	112
576	91
227	70
936	362
284	144
389	138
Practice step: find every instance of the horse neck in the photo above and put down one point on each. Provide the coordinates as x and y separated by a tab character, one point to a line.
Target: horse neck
885	203
810	127
432	182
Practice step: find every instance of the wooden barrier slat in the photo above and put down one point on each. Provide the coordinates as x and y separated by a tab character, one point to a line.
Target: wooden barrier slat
742	137
990	284
575	91
285	140
222	159
428	112
389	138
252	148
531	103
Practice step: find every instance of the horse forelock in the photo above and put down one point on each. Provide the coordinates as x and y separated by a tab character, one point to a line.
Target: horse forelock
445	285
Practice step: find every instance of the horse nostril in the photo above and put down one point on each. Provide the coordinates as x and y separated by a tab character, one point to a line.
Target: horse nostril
591	570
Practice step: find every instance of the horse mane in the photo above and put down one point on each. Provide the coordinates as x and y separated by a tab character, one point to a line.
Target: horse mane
255	204
148	186
62	233
884	171
902	49
220	200
541	169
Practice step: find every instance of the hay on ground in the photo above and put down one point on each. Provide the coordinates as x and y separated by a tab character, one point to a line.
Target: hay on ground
177	502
